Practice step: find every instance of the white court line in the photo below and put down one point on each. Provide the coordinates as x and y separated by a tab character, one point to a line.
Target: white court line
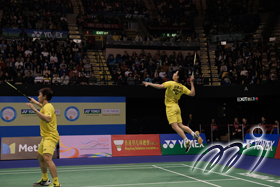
186	176
140	184
229	176
83	167
89	169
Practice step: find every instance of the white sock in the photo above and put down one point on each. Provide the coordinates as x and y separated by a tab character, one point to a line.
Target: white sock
186	139
192	133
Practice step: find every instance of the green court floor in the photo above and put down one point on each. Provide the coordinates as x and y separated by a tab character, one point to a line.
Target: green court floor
175	174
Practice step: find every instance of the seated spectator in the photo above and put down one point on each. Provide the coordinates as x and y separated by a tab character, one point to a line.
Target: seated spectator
123	67
54	58
87	66
138	38
46	71
63	64
47	79
165	79
92	79
82	79
39	79
199	80
111	60
128	71
8	77
56	80
157	79
74	79
18	62
63	70
64	79
28	79
28	69
130	80
162	73
19	79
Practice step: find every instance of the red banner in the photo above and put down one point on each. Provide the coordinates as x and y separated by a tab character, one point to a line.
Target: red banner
135	145
277	153
102	25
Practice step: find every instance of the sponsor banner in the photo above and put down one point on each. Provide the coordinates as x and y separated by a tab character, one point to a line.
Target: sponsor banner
102	25
18	148
277	153
265	145
85	146
135	145
69	111
33	33
173	144
227	37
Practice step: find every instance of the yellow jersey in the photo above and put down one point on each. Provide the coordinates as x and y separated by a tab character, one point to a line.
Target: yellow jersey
49	130
174	91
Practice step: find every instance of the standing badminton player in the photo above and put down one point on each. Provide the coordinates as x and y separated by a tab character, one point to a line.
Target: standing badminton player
50	137
174	91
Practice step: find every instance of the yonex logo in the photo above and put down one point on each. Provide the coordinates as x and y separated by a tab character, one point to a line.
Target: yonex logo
9	149
169	143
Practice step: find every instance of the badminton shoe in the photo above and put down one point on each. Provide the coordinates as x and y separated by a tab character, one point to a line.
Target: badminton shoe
188	144
42	183
197	137
53	185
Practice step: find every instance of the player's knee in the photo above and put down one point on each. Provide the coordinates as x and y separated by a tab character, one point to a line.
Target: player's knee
40	157
181	125
47	157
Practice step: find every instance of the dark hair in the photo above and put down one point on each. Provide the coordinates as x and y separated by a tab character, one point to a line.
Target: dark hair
181	75
47	92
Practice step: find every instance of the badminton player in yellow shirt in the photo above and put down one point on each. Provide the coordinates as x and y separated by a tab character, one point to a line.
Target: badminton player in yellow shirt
50	137
174	91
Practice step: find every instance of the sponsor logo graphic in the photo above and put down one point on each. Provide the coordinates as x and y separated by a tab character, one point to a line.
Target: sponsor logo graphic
8	114
8	149
171	143
118	143
262	144
92	111
28	111
111	112
57	112
37	34
72	113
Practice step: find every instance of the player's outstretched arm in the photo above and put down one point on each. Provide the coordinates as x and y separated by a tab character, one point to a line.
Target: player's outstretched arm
192	93
157	86
35	102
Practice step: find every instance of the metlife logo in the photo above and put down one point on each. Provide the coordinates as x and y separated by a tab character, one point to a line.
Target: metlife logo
23	148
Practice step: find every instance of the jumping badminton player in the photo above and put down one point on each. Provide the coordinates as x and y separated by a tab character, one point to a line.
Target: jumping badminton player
50	137
174	90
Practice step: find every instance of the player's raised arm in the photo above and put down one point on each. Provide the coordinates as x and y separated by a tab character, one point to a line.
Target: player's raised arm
157	86
192	93
35	102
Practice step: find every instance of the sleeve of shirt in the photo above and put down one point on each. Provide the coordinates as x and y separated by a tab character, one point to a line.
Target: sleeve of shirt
186	90
167	84
48	110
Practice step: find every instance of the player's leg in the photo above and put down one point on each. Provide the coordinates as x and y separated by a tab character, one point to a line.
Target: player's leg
44	181
49	147
181	133
186	128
